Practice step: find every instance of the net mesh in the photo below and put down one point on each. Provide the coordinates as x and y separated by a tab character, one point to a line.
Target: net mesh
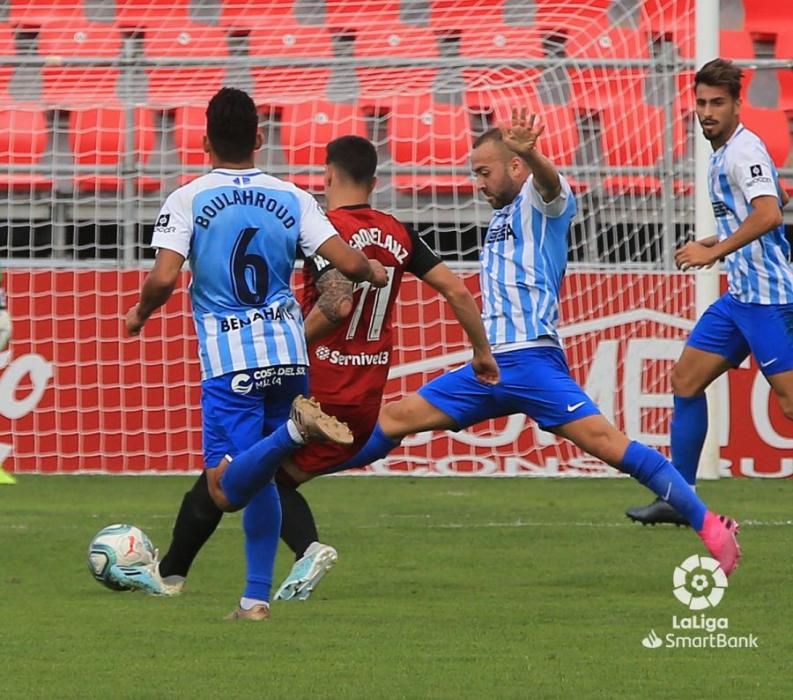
102	115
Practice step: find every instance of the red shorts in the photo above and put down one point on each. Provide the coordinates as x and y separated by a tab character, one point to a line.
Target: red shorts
319	456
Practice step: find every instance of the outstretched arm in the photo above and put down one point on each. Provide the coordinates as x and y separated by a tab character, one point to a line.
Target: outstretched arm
157	289
521	138
443	280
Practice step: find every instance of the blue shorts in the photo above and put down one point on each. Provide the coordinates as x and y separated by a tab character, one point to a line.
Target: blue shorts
241	408
733	329
534	381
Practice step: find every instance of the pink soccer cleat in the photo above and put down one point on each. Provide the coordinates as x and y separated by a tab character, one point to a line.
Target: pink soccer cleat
719	535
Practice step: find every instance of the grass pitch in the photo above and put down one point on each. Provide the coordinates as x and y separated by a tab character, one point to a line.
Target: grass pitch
445	588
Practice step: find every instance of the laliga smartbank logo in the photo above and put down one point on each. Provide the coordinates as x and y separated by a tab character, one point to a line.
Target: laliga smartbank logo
699	583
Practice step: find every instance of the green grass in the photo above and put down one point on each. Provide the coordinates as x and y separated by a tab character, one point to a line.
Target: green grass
445	588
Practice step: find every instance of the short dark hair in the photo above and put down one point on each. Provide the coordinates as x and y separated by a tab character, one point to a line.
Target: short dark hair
232	123
493	134
720	73
355	156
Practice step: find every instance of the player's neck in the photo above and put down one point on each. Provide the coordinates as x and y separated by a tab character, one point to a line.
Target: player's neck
716	144
230	165
352	197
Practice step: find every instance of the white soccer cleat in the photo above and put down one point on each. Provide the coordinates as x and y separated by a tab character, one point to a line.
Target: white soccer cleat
147	579
307	572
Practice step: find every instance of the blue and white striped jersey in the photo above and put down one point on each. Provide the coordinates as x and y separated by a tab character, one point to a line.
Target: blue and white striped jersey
240	230
758	273
523	261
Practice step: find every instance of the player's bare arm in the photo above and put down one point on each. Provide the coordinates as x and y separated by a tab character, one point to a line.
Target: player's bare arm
333	305
765	216
444	281
352	263
5	319
521	137
157	289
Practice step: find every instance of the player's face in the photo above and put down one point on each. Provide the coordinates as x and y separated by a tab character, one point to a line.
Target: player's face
493	171
717	112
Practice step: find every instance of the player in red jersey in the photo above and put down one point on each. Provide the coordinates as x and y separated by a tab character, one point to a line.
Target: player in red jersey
350	339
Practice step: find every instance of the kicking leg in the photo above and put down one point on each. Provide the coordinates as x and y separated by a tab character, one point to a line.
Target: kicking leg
692	374
595	435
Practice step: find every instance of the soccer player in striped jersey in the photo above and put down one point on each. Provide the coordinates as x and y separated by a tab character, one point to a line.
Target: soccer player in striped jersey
523	262
756	314
350	340
240	229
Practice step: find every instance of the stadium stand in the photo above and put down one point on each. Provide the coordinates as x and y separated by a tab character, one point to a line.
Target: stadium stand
24	135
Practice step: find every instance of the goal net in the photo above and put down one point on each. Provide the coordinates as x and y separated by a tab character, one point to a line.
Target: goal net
103	115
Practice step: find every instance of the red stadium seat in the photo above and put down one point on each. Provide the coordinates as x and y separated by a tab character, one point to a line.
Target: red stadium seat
784	49
499	41
673	19
68	86
766	18
23	138
280	84
355	14
601	40
189	129
98	138
430	135
575	16
771	125
257	14
459	14
735	45
306	128
7	52
634	147
152	13
593	89
41	12
174	85
377	84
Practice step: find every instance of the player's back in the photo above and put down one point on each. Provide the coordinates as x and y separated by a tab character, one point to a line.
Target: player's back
350	365
243	229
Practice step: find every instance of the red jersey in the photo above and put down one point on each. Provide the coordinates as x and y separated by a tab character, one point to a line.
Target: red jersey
350	365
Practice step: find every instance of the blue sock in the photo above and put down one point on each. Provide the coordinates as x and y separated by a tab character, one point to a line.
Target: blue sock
688	429
656	472
377	446
252	470
261	521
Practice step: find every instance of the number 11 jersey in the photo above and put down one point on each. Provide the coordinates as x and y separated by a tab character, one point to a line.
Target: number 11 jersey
350	365
240	231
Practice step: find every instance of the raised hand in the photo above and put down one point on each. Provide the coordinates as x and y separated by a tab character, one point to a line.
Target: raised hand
521	136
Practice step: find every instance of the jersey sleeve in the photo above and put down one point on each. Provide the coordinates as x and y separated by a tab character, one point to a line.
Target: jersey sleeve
173	228
423	258
556	207
753	173
315	227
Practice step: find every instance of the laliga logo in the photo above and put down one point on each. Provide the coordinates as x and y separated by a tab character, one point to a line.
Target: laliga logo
322	352
699	582
242	384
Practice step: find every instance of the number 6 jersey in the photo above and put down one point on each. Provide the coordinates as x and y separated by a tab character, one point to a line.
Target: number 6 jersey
240	231
350	365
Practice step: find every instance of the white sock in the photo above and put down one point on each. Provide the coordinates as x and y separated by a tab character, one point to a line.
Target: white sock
294	433
248	603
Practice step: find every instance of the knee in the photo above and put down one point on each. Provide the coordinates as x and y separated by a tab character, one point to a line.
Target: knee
786	403
393	417
684	383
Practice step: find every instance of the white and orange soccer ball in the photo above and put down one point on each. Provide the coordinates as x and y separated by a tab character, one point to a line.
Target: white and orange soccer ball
122	545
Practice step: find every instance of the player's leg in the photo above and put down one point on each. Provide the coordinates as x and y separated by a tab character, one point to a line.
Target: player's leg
449	402
261	519
238	478
298	527
715	345
537	382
